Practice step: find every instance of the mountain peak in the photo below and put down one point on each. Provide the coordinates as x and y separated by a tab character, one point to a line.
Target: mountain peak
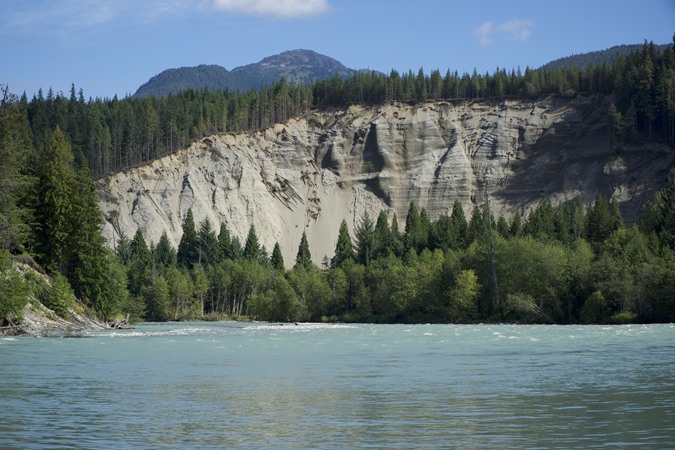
299	66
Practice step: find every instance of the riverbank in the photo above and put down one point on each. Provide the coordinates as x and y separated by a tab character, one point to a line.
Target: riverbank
40	321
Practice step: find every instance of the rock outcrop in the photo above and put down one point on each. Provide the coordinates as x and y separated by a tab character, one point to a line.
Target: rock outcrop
311	172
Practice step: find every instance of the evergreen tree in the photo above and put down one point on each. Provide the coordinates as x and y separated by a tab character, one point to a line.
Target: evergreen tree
383	239
224	243
123	249
477	228
15	151
459	226
54	206
164	254
251	248
188	247
91	264
139	265
208	244
660	213
277	259
365	239
343	249
601	220
396	240
304	257
412	228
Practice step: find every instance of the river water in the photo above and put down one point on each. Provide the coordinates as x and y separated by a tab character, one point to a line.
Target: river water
257	385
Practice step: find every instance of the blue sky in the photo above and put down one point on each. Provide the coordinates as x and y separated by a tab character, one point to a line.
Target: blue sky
109	47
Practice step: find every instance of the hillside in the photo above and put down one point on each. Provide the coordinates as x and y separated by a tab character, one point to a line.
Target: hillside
597	58
299	66
309	173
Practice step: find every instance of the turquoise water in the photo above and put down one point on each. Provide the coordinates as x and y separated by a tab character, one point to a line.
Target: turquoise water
233	385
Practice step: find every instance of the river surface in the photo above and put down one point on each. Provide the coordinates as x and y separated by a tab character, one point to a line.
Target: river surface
257	385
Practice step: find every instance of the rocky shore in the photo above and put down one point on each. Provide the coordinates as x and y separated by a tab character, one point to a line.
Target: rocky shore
39	321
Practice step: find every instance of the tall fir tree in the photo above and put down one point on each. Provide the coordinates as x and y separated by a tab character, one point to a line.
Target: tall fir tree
188	247
55	205
252	248
344	250
277	259
208	244
164	254
304	257
365	239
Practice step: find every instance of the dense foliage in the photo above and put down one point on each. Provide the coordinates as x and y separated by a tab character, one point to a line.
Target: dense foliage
563	263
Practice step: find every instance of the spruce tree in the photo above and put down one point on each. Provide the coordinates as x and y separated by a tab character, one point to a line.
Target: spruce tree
343	249
224	243
55	208
383	240
277	259
188	248
304	258
251	248
459	226
164	254
365	240
91	265
208	244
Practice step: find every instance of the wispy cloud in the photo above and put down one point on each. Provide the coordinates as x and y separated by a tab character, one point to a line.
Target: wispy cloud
54	15
484	33
513	30
517	29
287	9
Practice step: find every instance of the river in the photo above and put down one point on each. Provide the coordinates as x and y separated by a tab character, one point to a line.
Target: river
258	385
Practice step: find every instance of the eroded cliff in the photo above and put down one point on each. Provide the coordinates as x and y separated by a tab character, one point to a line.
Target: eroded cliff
311	172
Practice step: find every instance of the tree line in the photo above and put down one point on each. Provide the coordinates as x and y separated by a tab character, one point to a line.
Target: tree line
562	264
114	134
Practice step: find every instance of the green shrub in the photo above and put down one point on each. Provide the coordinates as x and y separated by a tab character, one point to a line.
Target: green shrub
595	309
60	297
13	292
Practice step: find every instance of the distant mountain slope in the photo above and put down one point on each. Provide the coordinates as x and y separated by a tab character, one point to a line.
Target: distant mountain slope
301	66
597	57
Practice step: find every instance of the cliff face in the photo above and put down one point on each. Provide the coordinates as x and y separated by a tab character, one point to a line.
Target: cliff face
310	173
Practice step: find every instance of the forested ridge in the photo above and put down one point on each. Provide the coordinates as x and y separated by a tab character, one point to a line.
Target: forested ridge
565	263
115	134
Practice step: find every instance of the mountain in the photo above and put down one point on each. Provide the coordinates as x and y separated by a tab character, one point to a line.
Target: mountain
313	171
598	58
300	66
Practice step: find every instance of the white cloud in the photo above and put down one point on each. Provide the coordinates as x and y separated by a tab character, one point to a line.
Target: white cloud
287	9
517	29
483	33
513	30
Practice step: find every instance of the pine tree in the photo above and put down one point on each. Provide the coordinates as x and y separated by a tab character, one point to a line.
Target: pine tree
396	240
304	257
277	259
164	254
343	249
383	239
224	243
54	207
91	265
15	151
188	247
412	228
365	239
251	248
459	226
208	244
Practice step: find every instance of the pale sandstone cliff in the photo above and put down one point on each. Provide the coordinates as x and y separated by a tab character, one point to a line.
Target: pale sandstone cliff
311	172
